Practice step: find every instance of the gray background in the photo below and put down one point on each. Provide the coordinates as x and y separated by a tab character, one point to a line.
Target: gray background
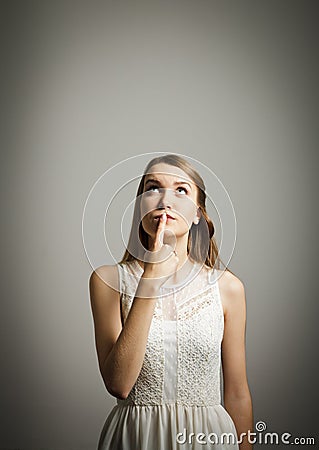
85	85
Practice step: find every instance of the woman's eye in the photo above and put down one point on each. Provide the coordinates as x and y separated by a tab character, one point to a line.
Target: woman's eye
152	188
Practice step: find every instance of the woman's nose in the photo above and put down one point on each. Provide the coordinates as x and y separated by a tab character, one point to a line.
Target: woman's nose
166	198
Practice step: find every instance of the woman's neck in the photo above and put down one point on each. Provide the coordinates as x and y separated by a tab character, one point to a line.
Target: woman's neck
183	270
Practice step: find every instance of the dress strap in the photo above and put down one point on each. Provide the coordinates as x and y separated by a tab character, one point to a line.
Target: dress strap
212	275
213	279
128	278
120	275
128	281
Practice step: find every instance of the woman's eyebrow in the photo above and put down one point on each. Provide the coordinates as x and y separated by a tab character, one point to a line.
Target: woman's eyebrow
154	180
182	182
151	180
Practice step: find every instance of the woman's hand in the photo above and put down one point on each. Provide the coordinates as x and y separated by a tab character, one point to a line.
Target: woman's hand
161	261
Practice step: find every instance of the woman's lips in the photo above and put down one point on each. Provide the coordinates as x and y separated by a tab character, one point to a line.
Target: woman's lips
167	215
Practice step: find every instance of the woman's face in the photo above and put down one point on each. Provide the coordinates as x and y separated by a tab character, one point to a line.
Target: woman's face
168	189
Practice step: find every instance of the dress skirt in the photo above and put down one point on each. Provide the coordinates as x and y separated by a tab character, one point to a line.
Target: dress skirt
168	427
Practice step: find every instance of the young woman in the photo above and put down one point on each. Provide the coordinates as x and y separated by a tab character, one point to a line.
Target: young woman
166	320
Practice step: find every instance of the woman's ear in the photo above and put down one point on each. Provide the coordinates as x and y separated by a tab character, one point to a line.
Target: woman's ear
197	217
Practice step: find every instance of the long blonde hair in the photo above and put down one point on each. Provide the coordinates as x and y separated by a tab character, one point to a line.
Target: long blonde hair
198	248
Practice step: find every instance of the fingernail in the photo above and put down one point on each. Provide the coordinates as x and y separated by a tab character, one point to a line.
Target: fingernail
164	216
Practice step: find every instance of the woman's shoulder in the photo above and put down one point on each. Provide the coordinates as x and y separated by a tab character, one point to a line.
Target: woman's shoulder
225	277
232	290
107	273
229	282
106	269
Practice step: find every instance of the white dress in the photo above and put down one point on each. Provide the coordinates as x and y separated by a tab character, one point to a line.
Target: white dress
176	400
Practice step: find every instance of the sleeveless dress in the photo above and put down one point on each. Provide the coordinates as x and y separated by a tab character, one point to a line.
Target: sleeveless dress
176	400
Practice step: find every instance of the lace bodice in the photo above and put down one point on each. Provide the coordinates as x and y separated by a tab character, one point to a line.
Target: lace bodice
182	362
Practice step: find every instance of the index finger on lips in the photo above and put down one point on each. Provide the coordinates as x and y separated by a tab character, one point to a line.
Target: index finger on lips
160	229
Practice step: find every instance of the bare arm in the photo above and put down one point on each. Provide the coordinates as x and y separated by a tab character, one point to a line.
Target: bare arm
237	398
120	350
